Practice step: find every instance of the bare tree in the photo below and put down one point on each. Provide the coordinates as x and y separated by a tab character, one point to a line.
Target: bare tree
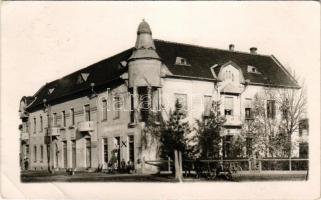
293	108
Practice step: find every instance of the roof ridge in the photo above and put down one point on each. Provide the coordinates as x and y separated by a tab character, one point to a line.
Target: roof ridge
211	48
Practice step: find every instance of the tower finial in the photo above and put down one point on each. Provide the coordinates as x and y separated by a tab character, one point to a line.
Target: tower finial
144	28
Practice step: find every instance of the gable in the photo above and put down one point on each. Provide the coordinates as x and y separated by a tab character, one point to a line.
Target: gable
231	72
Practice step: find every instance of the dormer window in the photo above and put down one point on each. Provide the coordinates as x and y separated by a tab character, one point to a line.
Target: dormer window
252	69
182	61
50	91
82	78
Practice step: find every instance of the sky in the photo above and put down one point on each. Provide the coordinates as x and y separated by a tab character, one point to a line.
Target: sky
44	41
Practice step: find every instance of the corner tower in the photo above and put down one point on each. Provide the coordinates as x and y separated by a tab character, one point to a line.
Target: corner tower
144	71
144	64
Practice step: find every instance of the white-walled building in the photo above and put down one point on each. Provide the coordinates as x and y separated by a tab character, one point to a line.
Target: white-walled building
76	121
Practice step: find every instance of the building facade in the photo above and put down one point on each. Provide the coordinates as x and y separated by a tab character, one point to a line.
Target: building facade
84	119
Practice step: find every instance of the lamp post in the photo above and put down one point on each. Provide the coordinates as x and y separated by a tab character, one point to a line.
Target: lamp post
48	110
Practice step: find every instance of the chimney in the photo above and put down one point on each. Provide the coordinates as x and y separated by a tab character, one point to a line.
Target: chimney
231	47
253	50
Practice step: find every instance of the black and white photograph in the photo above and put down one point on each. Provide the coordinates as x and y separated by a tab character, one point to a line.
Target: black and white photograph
167	100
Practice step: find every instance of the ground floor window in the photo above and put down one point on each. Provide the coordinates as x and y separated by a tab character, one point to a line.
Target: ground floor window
248	146
227	146
41	153
131	148
73	153
303	150
105	150
35	153
65	153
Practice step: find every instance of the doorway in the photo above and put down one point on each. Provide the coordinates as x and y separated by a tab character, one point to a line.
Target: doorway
73	154
88	153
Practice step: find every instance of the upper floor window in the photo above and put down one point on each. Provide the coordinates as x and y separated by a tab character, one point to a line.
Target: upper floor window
34	125
270	108
87	112
228	106
72	116
207	102
35	153
41	123
248	108
117	105
54	119
229	76
182	100
63	118
104	113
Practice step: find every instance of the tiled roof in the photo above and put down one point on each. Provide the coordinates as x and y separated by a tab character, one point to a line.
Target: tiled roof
199	58
202	58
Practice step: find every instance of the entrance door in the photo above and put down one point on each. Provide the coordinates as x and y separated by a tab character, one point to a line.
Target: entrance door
88	153
73	153
118	150
65	154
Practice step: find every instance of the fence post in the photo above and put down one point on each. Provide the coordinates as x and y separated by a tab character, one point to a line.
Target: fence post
169	164
250	167
260	165
290	164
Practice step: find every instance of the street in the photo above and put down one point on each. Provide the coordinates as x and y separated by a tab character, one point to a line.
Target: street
37	176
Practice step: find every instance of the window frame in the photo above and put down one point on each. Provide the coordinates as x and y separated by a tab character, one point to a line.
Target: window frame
72	116
184	108
85	112
104	112
117	106
225	106
34	125
270	111
63	118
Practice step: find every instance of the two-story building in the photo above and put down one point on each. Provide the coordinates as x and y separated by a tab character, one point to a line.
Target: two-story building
83	119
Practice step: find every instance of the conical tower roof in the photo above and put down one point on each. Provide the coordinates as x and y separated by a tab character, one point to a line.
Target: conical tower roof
143	28
144	47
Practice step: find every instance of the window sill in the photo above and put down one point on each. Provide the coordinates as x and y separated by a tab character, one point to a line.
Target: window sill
71	127
132	124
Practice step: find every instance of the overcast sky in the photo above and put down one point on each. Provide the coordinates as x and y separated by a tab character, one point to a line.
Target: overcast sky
43	41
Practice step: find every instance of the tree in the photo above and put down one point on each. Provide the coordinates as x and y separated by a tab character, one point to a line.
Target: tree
293	108
208	133
261	128
174	133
